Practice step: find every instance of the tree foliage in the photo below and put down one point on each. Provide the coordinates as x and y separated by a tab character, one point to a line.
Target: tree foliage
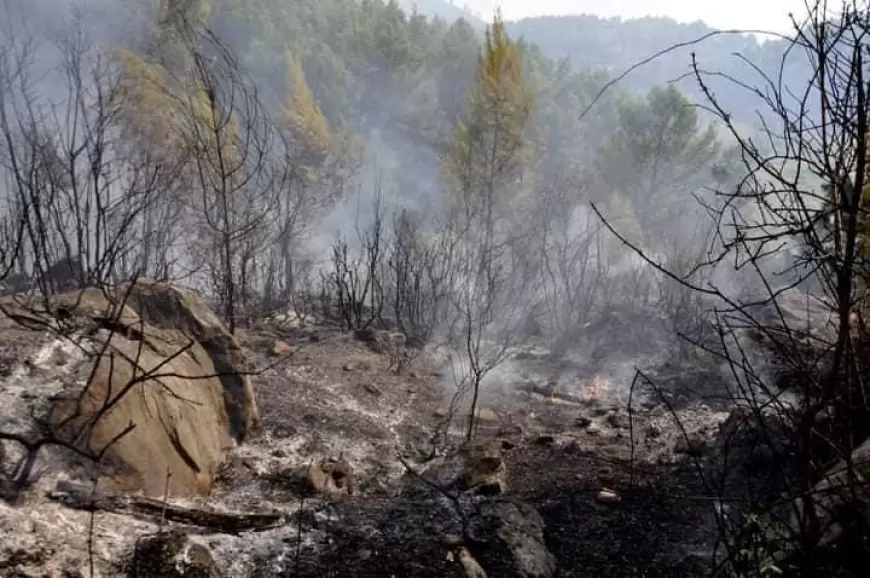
488	148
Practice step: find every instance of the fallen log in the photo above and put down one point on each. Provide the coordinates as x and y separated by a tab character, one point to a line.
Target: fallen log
83	497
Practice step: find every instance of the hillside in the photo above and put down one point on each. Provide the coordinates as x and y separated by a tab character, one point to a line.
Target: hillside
443	9
615	45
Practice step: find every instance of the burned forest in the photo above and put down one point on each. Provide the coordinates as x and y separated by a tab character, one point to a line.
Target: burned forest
367	288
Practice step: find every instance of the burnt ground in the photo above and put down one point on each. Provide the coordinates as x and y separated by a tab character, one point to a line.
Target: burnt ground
330	395
334	396
659	528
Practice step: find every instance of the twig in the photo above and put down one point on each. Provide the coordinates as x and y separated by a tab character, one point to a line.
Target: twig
92	520
165	500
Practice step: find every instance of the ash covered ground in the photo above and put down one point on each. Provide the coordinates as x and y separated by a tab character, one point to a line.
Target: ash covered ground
616	489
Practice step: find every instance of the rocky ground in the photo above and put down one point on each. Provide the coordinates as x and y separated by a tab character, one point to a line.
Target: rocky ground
351	456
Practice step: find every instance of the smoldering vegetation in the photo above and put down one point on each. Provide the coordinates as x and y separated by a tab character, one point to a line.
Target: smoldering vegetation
540	228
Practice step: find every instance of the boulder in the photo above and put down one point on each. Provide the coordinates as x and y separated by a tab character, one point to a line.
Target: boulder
161	367
172	554
507	539
175	309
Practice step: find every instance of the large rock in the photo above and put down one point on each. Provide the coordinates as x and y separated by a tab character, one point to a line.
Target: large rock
509	541
172	308
160	361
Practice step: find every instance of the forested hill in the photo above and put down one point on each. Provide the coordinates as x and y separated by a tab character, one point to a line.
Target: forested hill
362	58
615	45
444	9
399	81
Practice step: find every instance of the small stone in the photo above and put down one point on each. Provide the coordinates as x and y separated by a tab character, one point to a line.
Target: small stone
594	429
372	390
470	567
653	431
582	422
608	496
545	440
441	412
507	445
331	477
356	365
279	453
486	414
485	470
282	349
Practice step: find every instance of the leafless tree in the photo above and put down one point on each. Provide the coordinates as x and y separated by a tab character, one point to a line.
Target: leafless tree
229	137
76	189
574	269
803	186
490	287
420	277
357	274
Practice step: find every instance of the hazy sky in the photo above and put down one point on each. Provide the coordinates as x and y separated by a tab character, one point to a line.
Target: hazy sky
764	14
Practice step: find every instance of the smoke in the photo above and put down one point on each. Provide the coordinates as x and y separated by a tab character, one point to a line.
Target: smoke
565	284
